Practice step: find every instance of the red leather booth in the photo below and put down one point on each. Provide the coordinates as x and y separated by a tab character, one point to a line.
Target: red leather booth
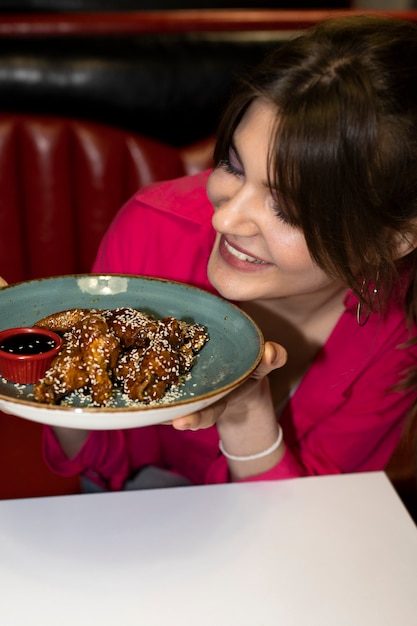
63	180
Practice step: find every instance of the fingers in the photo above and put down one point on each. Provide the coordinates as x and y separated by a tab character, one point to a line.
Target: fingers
2	283
202	419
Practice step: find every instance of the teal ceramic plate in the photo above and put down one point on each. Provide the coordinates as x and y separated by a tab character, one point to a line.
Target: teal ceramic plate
230	356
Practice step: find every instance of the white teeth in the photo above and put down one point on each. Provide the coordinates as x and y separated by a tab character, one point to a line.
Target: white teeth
241	255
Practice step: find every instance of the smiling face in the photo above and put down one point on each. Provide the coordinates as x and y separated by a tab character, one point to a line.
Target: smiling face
257	253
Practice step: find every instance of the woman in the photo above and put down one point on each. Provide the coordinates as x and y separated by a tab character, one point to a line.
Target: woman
314	233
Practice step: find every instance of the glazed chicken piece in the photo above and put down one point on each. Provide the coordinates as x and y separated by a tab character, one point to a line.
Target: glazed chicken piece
63	321
194	336
99	350
146	374
132	327
87	357
66	373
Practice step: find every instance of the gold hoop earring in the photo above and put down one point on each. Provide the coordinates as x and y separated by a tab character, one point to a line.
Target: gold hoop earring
363	320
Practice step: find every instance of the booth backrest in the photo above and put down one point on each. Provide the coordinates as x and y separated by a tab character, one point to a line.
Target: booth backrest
162	74
61	183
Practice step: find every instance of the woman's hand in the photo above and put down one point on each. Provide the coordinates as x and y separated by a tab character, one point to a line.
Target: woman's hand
246	420
2	283
234	405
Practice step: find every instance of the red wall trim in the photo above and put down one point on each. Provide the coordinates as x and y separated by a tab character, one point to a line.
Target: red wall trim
219	20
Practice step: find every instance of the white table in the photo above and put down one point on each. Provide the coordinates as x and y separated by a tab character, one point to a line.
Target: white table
332	551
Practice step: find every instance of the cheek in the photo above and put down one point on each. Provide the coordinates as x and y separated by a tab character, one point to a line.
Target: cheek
289	249
211	187
220	187
214	196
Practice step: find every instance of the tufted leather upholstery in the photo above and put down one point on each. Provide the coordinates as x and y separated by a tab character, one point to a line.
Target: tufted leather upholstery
62	181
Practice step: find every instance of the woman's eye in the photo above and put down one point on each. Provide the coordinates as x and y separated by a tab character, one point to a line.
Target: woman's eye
231	166
282	215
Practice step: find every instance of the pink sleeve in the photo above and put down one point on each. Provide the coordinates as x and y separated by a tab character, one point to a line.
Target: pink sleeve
102	459
107	457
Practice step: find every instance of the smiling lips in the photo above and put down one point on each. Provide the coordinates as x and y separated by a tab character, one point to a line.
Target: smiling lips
241	256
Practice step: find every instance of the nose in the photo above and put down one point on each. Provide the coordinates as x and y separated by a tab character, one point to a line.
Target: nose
235	212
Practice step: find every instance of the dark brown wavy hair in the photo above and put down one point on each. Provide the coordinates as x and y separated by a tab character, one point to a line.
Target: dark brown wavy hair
343	159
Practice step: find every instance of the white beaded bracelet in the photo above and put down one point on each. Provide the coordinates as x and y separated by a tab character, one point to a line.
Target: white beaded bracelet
254	457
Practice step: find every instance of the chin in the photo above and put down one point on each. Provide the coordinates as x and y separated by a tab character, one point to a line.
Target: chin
232	289
236	286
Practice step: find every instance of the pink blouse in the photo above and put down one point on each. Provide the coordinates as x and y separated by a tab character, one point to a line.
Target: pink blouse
343	417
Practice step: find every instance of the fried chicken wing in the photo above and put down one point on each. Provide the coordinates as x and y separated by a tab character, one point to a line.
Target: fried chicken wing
132	327
87	358
194	338
63	321
66	373
99	350
147	374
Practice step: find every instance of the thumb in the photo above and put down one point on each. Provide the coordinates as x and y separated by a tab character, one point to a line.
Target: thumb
274	356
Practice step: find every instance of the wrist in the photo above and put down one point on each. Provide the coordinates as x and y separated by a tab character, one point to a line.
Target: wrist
241	412
256	455
262	447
